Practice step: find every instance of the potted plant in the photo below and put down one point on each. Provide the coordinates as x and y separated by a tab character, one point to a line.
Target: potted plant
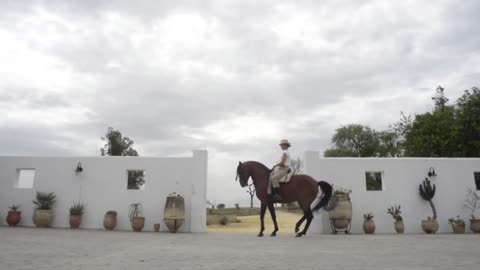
43	215
110	220
76	211
458	225
341	214
395	212
174	212
136	216
14	216
472	202
368	224
427	192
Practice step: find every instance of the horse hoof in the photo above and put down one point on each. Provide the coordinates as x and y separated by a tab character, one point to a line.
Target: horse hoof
260	235
299	235
273	234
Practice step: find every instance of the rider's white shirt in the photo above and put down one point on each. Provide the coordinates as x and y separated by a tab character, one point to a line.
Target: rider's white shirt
288	161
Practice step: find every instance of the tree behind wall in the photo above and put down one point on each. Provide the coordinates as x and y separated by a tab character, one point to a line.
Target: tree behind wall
117	145
251	192
355	140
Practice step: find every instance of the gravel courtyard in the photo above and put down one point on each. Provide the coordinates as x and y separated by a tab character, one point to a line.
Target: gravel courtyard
30	248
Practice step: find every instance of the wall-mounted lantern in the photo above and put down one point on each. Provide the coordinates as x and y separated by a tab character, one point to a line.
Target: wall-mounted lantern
79	168
431	172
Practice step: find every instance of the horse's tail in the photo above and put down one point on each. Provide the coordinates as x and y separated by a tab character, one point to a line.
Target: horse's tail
325	198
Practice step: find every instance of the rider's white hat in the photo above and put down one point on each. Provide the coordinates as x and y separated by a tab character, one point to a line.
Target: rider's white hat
285	142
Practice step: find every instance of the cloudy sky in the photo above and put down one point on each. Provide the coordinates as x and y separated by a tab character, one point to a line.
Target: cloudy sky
233	77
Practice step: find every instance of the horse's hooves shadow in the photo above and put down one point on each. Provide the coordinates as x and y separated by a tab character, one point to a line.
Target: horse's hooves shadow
299	235
273	234
260	235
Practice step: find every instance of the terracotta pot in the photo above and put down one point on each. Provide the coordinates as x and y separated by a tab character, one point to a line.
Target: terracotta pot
369	226
109	222
341	215
399	227
13	218
156	227
138	223
430	226
458	229
75	221
174	213
475	225
42	218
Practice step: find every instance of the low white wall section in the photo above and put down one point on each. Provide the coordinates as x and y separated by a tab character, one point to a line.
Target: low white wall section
102	186
401	178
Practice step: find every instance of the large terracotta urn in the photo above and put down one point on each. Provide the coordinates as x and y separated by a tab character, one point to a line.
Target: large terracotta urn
174	213
110	220
341	215
475	225
13	218
430	226
75	221
399	227
138	223
42	218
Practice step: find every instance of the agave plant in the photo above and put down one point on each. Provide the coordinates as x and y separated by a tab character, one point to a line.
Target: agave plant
77	209
395	212
44	200
368	216
14	208
136	210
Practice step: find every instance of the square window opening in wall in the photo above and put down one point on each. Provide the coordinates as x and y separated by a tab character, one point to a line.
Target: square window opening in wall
26	178
136	179
374	181
476	176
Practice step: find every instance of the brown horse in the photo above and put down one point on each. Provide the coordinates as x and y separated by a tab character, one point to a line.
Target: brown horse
301	188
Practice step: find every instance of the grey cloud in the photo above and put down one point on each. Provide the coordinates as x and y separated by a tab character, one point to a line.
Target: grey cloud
159	98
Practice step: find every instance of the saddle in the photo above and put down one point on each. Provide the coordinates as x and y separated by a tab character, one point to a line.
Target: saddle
287	177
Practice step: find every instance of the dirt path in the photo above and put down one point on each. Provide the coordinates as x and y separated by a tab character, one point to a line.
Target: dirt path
251	224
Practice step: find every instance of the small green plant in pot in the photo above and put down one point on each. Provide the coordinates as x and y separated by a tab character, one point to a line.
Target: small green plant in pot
136	216
76	211
472	203
43	215
396	213
458	225
427	192
368	224
14	216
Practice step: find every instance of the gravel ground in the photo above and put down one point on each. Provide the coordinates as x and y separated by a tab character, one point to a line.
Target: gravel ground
32	248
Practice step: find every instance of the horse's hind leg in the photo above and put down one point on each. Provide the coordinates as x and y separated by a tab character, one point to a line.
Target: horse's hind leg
271	209
299	223
309	216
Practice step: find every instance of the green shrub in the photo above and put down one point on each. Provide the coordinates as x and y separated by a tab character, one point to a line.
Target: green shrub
223	221
44	201
221	206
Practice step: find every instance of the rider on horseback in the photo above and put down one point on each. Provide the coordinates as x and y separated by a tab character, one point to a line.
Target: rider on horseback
280	170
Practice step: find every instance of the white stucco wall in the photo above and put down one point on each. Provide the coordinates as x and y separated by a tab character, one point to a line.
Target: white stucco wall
401	178
103	186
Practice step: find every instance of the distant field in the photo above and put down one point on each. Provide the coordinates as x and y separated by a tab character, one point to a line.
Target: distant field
251	223
233	211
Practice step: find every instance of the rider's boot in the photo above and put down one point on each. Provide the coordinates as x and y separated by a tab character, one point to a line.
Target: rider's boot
276	195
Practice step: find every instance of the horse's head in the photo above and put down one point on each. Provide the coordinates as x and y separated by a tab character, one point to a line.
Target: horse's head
243	174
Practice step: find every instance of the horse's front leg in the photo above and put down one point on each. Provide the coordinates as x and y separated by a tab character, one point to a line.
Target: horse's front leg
271	209
263	208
